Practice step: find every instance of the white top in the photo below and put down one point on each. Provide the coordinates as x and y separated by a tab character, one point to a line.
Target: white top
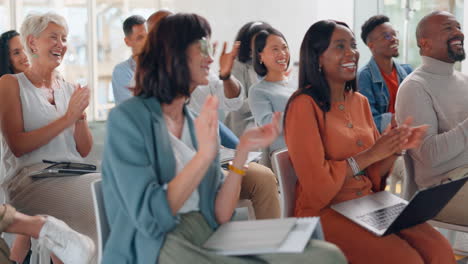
215	87
268	97
245	73
37	113
437	95
183	152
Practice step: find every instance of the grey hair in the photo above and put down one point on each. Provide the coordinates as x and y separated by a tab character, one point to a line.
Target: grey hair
35	24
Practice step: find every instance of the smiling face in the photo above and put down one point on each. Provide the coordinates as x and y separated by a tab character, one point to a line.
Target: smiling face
18	58
50	46
199	60
443	39
275	54
383	41
339	60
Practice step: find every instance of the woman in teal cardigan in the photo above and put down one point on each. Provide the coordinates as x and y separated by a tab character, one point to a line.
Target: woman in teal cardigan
163	189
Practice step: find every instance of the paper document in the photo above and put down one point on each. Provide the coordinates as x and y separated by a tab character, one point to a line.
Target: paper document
289	235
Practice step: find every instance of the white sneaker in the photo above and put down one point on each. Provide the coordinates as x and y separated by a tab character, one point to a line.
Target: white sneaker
460	246
68	245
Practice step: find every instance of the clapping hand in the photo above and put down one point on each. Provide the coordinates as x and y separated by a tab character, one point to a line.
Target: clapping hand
206	127
78	103
260	137
416	134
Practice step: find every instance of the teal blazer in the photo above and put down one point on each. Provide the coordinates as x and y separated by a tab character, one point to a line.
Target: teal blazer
138	164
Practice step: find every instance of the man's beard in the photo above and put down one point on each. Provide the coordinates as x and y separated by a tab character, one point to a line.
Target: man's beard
453	54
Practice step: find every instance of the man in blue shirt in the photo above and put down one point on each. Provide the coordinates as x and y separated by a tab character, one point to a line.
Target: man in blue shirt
134	28
379	79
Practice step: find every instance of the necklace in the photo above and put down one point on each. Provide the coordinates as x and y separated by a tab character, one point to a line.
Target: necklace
48	91
343	107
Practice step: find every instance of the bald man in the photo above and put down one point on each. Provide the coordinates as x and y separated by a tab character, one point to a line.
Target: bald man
436	94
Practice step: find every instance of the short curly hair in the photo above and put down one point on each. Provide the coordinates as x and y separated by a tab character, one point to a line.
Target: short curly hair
371	24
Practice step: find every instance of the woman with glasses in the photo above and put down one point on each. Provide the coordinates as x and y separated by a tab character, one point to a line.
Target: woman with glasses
162	183
271	61
339	155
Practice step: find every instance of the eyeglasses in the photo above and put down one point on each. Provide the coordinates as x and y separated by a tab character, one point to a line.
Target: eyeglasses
390	35
206	47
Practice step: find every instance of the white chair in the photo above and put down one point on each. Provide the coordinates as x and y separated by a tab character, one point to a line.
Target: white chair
102	226
287	179
409	189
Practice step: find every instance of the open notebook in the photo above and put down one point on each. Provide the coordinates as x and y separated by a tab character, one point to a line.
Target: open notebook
288	235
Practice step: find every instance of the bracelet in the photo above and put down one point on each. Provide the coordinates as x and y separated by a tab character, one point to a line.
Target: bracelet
225	78
399	154
237	171
354	166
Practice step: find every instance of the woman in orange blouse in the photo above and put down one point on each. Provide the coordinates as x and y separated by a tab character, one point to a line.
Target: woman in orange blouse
328	131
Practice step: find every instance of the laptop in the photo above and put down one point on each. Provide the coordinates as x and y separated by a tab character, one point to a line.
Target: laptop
383	213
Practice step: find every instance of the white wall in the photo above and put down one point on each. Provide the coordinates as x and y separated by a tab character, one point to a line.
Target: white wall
363	10
291	17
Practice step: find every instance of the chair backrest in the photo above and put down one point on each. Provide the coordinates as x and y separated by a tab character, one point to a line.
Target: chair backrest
409	185
287	178
102	225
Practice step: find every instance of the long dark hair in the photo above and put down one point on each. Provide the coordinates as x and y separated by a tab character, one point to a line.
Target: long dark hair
260	43
245	35
312	80
5	63
162	69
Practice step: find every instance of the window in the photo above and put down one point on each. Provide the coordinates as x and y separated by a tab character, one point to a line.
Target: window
4	16
111	48
406	19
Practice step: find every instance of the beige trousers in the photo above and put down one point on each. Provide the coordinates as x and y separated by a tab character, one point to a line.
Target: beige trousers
456	211
260	186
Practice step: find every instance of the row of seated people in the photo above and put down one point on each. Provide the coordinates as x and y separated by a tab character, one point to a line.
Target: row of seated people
188	188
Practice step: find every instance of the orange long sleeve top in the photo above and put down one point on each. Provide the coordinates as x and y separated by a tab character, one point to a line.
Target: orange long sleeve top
319	145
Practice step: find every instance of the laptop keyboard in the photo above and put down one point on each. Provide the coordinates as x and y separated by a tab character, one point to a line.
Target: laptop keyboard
382	218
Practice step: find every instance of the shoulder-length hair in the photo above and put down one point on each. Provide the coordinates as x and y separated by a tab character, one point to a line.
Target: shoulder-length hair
5	62
245	36
260	43
162	69
312	80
